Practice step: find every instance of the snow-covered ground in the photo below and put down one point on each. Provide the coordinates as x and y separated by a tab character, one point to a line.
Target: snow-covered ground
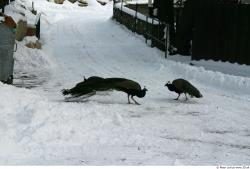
37	127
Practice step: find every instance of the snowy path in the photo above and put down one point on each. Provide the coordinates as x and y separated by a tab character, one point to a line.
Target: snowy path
38	127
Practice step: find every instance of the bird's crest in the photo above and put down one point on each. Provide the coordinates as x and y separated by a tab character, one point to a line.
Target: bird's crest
168	83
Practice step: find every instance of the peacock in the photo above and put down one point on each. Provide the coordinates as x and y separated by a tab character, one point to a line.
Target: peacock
87	86
96	83
183	86
128	86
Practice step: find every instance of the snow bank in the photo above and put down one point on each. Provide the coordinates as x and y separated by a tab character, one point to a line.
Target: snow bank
30	58
224	82
93	3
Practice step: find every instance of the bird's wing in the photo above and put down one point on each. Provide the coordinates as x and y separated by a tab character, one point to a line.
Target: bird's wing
179	84
94	79
128	84
186	87
113	83
91	80
193	91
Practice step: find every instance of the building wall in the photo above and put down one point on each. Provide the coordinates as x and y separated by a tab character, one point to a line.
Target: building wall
218	30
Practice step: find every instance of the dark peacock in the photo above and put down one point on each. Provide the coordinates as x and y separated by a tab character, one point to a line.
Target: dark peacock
87	86
130	87
183	86
92	84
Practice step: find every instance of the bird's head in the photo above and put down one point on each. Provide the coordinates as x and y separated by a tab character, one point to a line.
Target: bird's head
200	95
142	92
168	83
145	89
170	86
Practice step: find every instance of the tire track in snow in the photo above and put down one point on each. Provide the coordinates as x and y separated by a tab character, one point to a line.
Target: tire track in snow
216	143
91	38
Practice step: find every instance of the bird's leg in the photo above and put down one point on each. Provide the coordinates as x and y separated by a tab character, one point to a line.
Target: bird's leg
177	97
134	100
186	96
128	99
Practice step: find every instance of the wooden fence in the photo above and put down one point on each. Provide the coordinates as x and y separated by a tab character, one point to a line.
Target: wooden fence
3	3
220	30
151	28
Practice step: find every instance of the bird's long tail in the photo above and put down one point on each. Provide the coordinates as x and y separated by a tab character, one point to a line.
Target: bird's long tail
195	92
65	91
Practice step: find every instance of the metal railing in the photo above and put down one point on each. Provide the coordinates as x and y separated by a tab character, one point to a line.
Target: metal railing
154	28
157	36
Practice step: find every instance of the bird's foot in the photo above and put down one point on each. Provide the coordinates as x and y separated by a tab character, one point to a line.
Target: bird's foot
135	101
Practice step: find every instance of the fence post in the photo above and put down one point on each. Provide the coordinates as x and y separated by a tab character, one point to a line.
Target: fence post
136	10
166	41
38	23
152	31
121	6
146	37
121	14
114	7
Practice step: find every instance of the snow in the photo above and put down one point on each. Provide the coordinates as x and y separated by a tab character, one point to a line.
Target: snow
37	127
138	2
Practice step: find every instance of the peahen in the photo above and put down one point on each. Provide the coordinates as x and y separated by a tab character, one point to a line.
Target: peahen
128	86
183	86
